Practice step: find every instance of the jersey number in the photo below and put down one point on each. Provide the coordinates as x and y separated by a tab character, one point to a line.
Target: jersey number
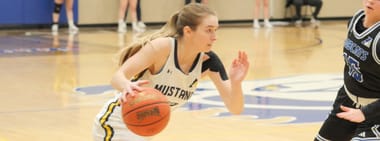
354	69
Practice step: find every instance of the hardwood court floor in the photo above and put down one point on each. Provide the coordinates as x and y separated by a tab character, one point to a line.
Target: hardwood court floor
40	73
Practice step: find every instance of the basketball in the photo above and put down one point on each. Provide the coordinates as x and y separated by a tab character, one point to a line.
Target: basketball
147	113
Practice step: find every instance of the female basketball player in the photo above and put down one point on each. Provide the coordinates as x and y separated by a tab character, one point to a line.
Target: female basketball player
356	110
175	56
69	13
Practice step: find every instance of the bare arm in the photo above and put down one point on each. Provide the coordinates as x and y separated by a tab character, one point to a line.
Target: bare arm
230	90
144	58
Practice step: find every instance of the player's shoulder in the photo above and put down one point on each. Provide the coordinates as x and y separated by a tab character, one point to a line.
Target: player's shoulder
160	46
210	55
358	14
161	43
354	18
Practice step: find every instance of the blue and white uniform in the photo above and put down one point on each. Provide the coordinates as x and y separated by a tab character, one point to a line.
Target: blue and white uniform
361	87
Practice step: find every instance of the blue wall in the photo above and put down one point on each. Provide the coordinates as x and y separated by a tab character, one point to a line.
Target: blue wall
16	12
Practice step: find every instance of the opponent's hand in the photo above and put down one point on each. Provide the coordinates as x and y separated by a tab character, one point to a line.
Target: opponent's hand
351	114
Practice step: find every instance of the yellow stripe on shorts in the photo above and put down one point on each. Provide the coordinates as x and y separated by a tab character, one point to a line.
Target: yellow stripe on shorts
107	128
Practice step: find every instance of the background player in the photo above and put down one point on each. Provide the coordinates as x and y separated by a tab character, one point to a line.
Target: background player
256	13
69	13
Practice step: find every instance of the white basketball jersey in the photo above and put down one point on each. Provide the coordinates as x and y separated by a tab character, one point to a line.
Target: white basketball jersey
177	86
171	81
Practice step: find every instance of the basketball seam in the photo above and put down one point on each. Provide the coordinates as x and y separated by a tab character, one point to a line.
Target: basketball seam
138	125
143	106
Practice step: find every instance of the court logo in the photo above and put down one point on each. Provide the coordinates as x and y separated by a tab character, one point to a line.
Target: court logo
301	98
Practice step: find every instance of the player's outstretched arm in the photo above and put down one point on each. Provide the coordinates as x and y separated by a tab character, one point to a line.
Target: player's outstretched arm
230	88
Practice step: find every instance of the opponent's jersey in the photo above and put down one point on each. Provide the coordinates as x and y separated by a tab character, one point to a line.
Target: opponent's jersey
361	53
177	86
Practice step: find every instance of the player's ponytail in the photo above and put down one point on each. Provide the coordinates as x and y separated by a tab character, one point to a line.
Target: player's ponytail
168	30
191	15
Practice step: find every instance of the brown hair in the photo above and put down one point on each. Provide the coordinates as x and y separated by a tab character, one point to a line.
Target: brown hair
190	15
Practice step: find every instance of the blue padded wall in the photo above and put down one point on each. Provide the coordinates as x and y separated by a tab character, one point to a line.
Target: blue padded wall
19	12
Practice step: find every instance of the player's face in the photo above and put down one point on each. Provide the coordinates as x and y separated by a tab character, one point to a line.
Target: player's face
372	9
205	34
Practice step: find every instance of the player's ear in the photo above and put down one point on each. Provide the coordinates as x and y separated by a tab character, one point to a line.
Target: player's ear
187	30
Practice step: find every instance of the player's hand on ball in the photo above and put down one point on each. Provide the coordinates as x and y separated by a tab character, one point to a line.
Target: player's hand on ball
131	89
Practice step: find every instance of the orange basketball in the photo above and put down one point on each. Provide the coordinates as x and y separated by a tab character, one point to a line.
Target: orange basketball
147	113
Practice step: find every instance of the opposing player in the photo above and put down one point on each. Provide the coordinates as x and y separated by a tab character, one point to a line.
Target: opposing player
173	60
356	110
